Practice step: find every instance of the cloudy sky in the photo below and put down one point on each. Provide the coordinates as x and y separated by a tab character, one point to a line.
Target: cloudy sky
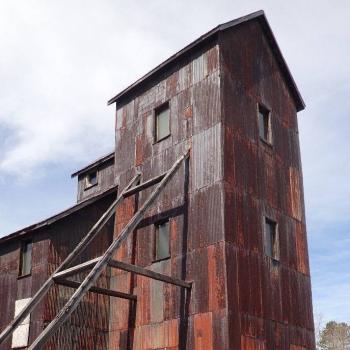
60	61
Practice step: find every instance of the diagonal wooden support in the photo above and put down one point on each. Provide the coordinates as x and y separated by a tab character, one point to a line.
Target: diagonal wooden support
91	278
144	185
70	258
98	290
75	269
148	273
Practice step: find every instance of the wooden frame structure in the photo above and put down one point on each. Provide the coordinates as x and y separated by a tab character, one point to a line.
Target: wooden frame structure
98	264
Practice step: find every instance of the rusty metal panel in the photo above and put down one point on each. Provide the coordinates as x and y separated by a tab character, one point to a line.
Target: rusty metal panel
207	157
249	343
204	232
216	277
88	326
262	180
184	77
206	102
220	330
157	295
203	331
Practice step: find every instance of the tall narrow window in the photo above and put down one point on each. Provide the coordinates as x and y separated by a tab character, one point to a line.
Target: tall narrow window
26	258
91	179
264	124
162	240
271	239
162	122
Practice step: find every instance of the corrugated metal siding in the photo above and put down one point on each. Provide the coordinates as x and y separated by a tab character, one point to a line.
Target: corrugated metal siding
105	180
269	302
163	317
88	326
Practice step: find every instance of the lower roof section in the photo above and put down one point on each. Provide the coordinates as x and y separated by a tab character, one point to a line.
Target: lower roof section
53	219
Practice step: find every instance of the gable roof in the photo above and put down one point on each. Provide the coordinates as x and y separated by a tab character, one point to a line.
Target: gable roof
259	15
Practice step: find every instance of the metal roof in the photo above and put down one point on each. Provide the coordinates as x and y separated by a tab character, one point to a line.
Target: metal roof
259	15
94	164
63	214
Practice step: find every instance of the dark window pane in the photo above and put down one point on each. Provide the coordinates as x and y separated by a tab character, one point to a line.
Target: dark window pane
26	258
271	242
162	241
264	124
91	179
162	123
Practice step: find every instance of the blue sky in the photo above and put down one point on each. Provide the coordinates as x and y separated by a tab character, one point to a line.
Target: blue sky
61	61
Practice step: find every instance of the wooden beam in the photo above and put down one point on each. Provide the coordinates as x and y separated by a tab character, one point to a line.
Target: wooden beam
148	273
93	275
70	258
98	290
75	269
144	185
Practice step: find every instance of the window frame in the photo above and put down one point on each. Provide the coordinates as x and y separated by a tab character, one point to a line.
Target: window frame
261	109
87	180
157	111
24	244
275	245
156	225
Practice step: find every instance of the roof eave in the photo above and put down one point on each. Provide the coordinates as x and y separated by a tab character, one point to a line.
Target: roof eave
300	104
94	164
164	64
299	101
61	215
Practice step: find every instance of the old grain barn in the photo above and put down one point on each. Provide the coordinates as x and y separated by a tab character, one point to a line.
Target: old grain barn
217	258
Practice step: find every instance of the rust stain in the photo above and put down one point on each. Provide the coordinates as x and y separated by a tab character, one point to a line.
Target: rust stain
203	337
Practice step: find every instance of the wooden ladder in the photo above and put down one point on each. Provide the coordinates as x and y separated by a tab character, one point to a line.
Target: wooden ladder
98	264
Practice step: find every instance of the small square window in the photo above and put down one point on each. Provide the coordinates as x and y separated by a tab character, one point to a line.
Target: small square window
264	124
162	240
162	122
91	179
271	239
26	258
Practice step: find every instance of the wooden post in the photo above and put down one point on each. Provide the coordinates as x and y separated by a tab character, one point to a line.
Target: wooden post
75	269
144	185
148	273
98	290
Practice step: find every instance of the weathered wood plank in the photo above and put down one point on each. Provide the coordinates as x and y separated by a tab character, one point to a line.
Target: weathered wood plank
144	185
104	291
75	269
148	273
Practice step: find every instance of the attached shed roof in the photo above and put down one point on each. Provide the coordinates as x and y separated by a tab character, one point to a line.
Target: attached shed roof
44	223
94	164
260	16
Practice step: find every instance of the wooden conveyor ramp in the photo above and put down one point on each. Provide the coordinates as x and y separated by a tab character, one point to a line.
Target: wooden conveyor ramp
97	265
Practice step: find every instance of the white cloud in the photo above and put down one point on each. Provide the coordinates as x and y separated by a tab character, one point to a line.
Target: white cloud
60	63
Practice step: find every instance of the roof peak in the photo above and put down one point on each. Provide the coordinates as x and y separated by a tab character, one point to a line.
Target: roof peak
209	35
